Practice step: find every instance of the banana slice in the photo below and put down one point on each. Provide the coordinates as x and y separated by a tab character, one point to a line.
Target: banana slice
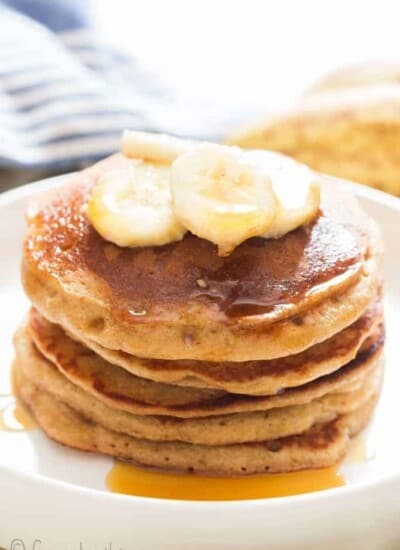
154	147
221	195
295	188
132	207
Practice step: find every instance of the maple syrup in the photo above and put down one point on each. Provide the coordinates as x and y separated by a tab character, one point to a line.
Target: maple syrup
14	416
125	478
128	479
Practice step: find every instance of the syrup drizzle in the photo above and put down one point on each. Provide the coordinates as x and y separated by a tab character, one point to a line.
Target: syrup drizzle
228	295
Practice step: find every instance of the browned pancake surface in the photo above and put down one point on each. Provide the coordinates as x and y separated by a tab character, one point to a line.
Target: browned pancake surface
124	391
249	377
260	276
210	430
323	445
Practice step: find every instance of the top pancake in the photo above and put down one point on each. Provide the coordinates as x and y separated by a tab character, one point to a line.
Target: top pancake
148	302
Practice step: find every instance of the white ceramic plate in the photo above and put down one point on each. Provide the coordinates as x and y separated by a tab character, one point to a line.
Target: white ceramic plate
57	496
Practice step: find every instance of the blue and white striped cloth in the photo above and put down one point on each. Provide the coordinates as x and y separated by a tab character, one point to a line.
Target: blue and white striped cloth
65	97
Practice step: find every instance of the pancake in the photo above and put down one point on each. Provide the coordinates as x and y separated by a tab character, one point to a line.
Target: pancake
215	430
270	298
362	75
347	126
260	377
247	377
130	396
323	445
83	367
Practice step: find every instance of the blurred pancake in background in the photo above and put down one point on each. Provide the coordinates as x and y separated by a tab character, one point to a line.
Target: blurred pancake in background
348	125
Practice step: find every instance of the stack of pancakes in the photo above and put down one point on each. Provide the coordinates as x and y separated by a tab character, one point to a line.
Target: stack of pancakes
268	360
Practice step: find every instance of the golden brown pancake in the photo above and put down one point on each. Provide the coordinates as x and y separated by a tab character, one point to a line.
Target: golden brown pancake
348	125
249	377
321	446
214	430
254	377
85	368
129	394
269	299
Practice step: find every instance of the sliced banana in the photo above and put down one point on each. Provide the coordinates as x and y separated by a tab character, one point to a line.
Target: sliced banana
154	147
132	207
222	195
295	188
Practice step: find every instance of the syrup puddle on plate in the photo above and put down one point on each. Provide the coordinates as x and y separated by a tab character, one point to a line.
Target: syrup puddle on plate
125	478
130	480
14	416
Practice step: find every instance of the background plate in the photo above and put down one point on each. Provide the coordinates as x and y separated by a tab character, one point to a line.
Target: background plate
57	496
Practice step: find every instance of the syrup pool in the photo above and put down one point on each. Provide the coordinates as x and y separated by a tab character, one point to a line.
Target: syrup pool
14	416
127	479
130	480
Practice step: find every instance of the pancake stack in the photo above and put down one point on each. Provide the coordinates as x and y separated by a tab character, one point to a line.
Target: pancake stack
268	360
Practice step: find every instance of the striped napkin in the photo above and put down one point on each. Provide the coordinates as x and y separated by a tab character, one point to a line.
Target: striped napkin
65	97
